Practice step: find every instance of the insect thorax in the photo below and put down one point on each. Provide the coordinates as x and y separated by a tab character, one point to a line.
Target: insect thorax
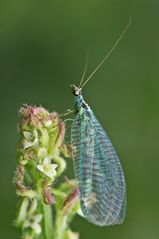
79	101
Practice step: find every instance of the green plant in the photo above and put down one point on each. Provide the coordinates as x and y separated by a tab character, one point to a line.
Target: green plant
45	206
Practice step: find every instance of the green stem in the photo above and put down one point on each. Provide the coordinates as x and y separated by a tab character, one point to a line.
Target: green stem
60	225
47	221
22	211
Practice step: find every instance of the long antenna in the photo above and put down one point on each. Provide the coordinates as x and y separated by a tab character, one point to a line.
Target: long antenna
85	69
109	53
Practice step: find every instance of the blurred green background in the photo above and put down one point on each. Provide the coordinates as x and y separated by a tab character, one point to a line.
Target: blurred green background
42	51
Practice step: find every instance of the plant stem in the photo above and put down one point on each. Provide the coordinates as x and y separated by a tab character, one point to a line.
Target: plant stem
47	221
60	225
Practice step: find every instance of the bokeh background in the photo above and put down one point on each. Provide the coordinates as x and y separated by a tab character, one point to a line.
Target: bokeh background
42	51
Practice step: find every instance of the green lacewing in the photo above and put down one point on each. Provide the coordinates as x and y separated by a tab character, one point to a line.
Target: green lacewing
97	167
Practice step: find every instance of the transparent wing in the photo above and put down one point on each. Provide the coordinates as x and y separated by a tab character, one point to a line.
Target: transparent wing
98	171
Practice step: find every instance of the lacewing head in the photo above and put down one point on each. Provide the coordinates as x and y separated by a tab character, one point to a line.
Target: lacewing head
76	90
